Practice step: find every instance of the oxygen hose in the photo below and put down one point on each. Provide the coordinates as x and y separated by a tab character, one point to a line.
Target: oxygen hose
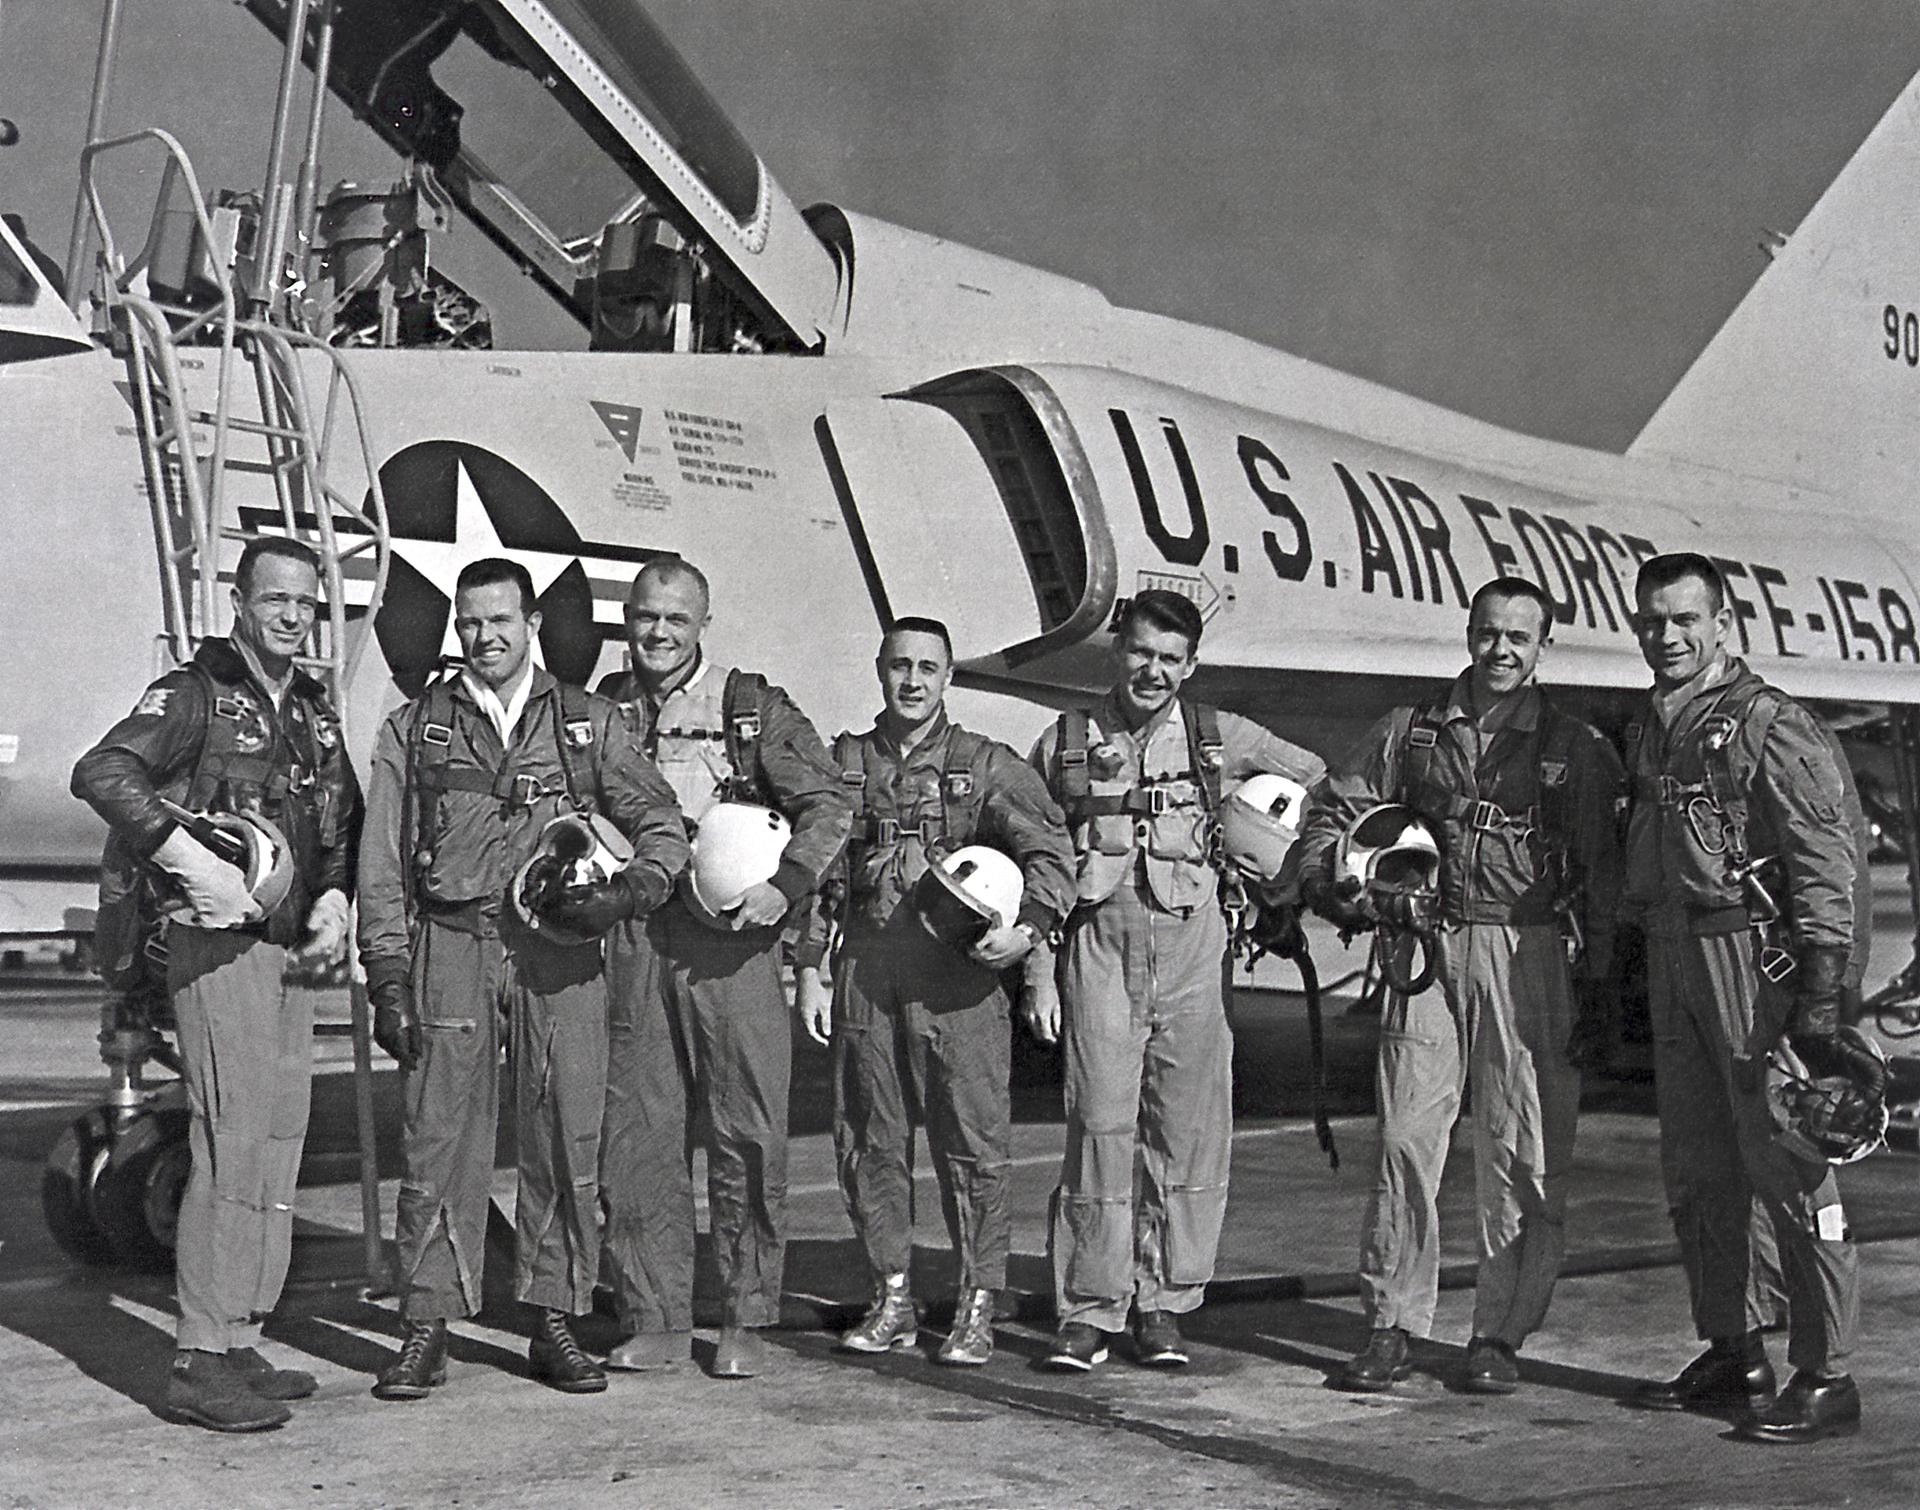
1302	958
1386	950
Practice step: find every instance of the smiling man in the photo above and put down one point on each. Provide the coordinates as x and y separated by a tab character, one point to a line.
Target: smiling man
702	1040
241	729
466	779
920	1030
1743	866
1526	802
1140	991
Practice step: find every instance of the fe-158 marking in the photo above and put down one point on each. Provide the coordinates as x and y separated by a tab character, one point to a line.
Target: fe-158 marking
1405	546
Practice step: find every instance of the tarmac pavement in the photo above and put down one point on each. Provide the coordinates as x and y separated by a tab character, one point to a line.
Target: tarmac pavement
83	1351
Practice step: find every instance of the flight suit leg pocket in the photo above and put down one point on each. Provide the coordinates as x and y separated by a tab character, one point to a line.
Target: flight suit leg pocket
1194	1216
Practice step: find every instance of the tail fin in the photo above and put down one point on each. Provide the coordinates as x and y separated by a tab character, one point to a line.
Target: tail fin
1815	378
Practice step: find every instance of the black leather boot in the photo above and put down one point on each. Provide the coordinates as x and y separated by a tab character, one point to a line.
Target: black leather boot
1812	1406
1732	1372
421	1365
1376	1366
555	1358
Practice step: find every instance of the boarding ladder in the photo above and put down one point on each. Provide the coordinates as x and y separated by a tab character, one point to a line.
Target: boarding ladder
207	497
325	477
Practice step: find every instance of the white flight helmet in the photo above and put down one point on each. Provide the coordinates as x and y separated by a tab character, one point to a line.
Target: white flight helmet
738	845
252	845
1259	821
589	848
1389	850
1834	1118
968	894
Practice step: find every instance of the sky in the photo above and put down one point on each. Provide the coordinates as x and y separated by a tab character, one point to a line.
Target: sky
1536	211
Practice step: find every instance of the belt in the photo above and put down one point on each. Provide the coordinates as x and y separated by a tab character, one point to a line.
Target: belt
1731	917
479	917
1670	791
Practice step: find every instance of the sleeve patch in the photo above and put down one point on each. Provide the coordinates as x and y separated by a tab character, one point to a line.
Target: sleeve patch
153	703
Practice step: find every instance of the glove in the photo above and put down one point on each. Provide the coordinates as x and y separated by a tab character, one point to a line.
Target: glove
1338	902
215	890
326	942
396	1027
1815	1020
593	907
1847	1056
1590	1045
546	879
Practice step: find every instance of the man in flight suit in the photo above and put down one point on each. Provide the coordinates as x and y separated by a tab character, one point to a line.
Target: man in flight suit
241	729
701	1032
1525	802
1741	867
1149	1058
915	1026
465	777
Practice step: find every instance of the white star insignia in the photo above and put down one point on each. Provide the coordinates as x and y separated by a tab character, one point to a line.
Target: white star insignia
475	538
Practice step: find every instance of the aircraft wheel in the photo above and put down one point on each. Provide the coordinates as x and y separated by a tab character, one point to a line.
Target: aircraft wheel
67	1185
136	1199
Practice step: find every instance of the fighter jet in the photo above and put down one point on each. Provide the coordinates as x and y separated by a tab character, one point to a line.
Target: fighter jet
844	419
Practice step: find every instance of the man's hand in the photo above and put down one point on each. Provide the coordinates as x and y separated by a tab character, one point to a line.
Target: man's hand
326	941
396	1026
813	1000
216	891
1041	1009
592	908
1590	1046
762	907
1002	947
1338	902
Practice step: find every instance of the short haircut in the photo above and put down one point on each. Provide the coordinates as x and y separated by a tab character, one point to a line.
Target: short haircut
1160	609
1515	587
272	545
491	570
1663	571
672	569
915	624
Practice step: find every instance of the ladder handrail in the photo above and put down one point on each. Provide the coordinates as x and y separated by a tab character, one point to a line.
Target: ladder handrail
295	447
116	282
277	344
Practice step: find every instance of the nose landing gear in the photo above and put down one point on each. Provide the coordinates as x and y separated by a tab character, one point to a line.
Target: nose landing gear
112	1186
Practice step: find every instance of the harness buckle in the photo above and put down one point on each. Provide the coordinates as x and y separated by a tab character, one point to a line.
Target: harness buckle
1489	815
525	790
1677	793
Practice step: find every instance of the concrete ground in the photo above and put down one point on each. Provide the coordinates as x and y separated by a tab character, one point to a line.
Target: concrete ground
83	1351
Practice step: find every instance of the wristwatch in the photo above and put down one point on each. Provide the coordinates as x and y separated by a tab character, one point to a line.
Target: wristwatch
1034	936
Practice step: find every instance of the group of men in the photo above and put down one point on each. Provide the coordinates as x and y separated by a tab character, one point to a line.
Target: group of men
640	1021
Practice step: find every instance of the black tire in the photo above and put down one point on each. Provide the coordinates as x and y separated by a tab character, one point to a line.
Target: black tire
66	1187
136	1199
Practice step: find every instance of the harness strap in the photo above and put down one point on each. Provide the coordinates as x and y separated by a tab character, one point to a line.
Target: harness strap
1153	795
740	712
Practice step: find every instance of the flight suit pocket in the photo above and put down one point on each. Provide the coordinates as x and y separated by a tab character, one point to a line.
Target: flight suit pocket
1195	1214
445	994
